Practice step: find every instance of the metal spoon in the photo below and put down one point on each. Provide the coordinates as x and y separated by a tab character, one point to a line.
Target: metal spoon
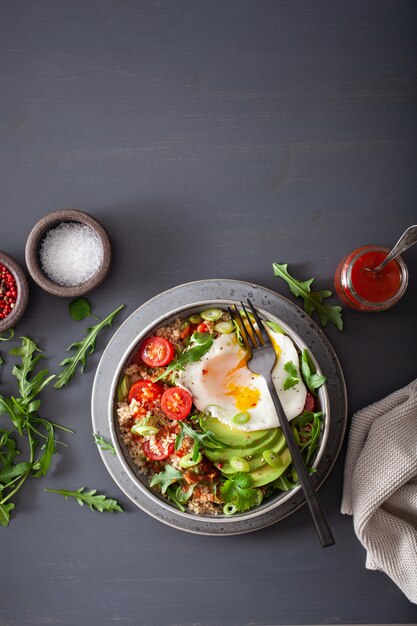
407	239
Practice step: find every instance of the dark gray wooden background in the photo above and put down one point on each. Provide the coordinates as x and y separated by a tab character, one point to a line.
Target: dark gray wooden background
210	138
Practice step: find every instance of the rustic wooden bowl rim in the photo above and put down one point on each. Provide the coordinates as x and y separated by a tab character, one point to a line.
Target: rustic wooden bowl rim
38	233
22	292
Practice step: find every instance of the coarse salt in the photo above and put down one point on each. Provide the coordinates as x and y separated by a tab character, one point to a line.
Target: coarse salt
71	253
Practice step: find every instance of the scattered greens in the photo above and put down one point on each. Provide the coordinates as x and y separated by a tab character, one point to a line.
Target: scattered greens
26	425
166	478
313	300
80	308
311	378
200	343
292	372
93	499
274	326
103	444
84	349
199	438
238	491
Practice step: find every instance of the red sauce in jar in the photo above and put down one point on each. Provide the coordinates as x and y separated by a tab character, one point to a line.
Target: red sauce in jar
368	291
375	287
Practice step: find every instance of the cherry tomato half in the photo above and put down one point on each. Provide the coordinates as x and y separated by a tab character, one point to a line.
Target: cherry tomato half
145	392
205	327
159	452
157	351
176	403
310	402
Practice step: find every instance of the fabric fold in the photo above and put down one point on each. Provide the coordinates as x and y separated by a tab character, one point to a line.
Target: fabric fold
380	485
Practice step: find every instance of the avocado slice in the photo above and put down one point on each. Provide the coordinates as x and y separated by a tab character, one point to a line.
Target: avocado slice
232	437
221	455
266	474
256	461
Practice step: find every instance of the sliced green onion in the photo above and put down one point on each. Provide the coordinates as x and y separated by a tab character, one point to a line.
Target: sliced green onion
144	429
229	509
211	315
123	389
275	327
195	319
259	497
273	459
240	464
187	460
224	327
241	418
183	496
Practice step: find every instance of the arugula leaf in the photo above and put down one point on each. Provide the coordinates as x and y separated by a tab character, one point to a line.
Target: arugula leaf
80	308
5	513
200	343
166	478
103	444
238	490
199	438
292	372
93	499
13	471
84	349
311	378
313	300
171	493
1	360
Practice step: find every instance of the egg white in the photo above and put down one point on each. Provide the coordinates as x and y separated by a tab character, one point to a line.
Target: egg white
221	383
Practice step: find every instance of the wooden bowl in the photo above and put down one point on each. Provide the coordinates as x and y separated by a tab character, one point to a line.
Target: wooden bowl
22	292
36	237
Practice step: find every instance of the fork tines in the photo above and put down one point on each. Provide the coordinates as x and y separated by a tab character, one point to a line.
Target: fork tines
253	337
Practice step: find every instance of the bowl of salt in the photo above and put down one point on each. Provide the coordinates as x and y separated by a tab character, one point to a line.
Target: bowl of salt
68	253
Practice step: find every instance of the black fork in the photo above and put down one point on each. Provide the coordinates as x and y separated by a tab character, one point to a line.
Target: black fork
261	361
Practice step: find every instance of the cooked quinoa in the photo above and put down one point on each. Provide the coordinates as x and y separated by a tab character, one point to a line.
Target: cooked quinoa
203	499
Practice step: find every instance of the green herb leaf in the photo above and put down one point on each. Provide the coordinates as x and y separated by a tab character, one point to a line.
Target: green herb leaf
83	349
238	490
166	478
42	464
200	343
171	493
5	513
292	372
1	360
200	438
311	378
93	499
313	300
79	309
103	444
13	471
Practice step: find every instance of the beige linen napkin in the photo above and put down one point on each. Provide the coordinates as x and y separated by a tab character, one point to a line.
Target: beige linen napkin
380	485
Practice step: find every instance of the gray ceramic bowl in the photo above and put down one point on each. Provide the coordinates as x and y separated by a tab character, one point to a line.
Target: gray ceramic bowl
184	300
36	237
22	292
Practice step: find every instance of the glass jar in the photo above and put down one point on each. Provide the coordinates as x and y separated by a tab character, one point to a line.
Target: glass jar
369	291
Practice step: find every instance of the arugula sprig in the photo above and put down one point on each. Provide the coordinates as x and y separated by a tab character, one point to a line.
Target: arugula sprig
27	424
83	349
311	378
200	343
166	478
103	444
313	300
199	438
93	499
238	490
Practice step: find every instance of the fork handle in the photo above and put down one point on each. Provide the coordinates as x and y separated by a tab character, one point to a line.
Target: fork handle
313	502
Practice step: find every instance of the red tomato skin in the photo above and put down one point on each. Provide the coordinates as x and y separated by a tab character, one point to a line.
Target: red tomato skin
156	351
205	327
153	456
176	403
310	402
145	391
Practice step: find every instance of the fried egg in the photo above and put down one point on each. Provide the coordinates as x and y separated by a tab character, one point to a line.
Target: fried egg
222	384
